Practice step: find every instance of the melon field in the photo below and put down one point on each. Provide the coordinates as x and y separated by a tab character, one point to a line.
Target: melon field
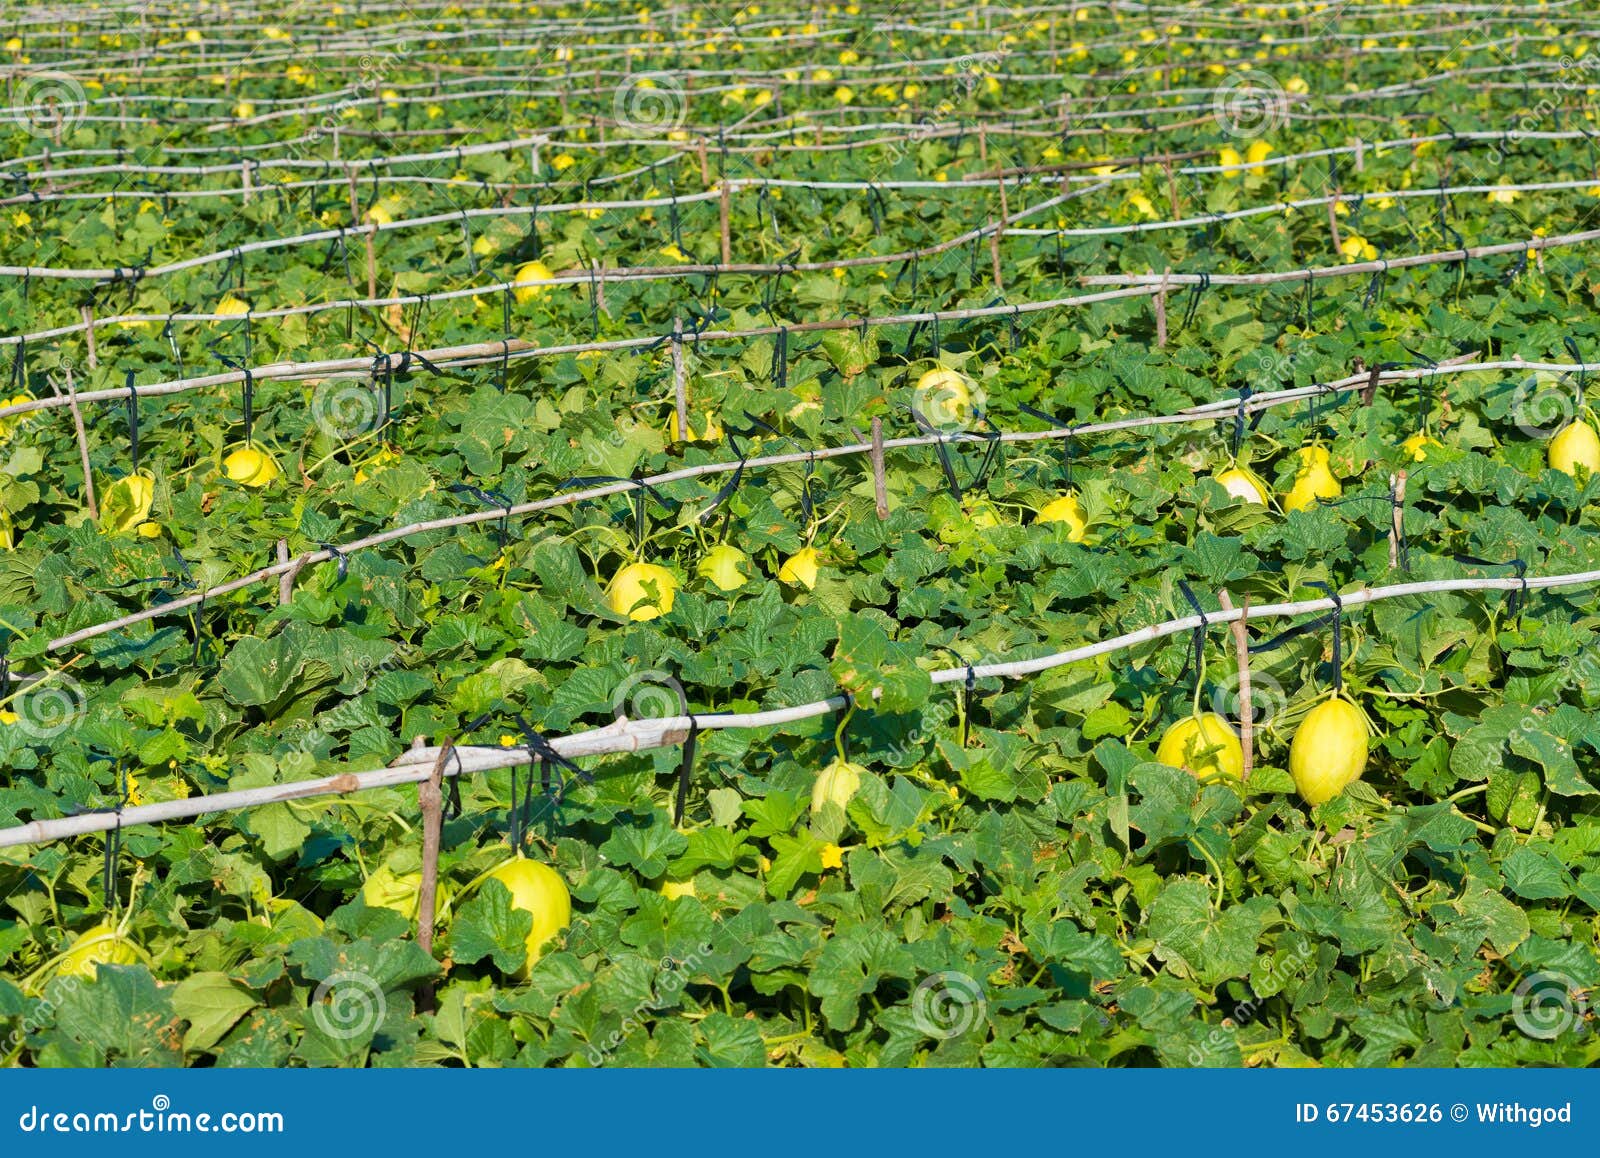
803	535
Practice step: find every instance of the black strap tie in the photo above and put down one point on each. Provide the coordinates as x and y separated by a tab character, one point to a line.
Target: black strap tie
1337	617
685	769
1198	636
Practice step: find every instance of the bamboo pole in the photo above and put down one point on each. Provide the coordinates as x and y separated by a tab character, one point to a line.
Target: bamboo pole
1241	649
1205	412
641	735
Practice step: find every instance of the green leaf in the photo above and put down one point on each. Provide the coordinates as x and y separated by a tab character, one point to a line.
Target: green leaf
488	926
212	1003
645	843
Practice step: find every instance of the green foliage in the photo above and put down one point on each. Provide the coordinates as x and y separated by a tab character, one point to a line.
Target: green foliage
1015	881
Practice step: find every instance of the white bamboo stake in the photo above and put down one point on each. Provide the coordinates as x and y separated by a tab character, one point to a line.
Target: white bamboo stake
418	764
515	349
1204	412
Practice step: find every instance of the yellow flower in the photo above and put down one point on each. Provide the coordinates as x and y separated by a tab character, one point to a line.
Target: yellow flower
1357	248
562	161
20	219
1258	152
1502	196
1229	156
832	856
1142	203
1296	84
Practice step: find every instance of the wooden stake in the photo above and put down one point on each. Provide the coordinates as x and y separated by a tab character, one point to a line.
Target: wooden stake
880	486
83	448
1361	155
1160	301
430	798
705	164
724	208
1172	188
1333	223
286	580
244	169
1247	721
1397	522
680	381
994	240
87	313
355	220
